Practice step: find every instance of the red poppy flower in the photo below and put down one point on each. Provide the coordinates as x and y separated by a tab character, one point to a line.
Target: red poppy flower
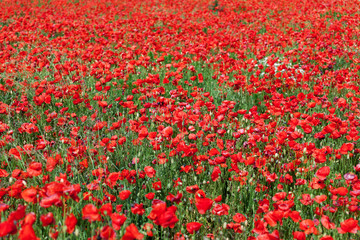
3	173
106	209
51	163
279	196
29	219
167	132
192	189
299	235
29	195
203	204
327	237
306	199
34	169
320	198
215	174
173	198
47	202
346	147
138	209
47	219
307	128
322	173
220	210
15	152
3	207
162	215
143	133
150	195
107	233
218	198
273	217
150	171
117	220
295	216
124	194
325	221
260	227
157	185
213	152
27	233
308	226
70	223
342	191
193	227
349	226
7	227
239	218
132	233
91	213
18	214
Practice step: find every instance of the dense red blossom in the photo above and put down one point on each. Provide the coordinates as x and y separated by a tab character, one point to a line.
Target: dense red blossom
217	118
193	227
163	215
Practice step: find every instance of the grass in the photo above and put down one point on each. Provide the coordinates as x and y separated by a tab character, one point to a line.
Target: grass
92	83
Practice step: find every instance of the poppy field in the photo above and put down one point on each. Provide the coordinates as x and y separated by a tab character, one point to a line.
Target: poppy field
187	119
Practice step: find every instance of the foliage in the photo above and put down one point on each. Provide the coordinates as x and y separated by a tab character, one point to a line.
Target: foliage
162	120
